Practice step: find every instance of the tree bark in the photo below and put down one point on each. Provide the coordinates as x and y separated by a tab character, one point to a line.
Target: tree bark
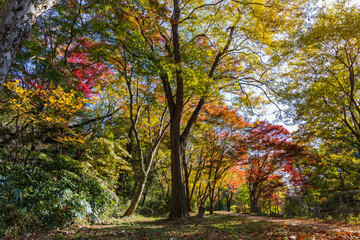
178	142
212	198
144	174
201	212
191	122
16	19
145	195
253	205
211	210
178	199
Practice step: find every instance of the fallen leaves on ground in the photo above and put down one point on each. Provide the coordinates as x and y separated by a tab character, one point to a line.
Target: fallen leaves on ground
222	225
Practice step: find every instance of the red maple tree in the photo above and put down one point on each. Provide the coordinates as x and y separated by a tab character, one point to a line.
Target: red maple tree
270	159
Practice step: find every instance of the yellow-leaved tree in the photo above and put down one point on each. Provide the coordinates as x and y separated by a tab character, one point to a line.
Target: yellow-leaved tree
54	109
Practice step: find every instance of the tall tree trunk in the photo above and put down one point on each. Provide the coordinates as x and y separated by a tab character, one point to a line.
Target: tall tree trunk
16	20
178	199
253	205
211	210
178	203
191	122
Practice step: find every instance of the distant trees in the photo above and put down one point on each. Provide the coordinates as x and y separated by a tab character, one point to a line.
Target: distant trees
229	154
223	147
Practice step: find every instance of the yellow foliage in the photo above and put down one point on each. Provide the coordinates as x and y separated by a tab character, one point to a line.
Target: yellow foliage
53	106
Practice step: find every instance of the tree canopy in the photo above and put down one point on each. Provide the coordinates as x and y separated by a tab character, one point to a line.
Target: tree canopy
112	108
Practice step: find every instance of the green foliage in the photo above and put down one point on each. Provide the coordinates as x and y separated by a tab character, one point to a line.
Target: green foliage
321	74
107	157
56	191
235	209
63	152
156	206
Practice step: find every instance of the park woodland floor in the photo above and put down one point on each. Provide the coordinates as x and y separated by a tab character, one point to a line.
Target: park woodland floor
221	225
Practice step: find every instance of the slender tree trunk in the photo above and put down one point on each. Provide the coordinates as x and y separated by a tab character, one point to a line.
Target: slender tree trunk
16	20
161	186
201	212
144	195
135	202
212	201
144	173
201	198
187	187
228	201
121	182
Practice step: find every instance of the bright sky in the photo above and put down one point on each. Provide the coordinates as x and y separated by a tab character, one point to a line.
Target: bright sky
330	1
270	117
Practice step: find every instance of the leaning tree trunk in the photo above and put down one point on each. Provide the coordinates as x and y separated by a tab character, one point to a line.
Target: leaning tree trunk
16	20
135	202
145	169
144	174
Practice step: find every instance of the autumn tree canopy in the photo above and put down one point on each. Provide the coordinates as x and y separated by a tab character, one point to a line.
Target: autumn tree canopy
117	108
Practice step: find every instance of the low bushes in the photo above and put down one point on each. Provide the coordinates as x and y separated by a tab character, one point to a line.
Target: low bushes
52	192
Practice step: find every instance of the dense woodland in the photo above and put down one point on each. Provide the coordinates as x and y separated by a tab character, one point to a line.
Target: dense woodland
113	108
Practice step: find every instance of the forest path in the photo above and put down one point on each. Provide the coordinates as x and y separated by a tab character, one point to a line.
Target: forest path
221	225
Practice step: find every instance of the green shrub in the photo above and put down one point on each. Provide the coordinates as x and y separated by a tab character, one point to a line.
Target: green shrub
155	206
235	209
53	192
